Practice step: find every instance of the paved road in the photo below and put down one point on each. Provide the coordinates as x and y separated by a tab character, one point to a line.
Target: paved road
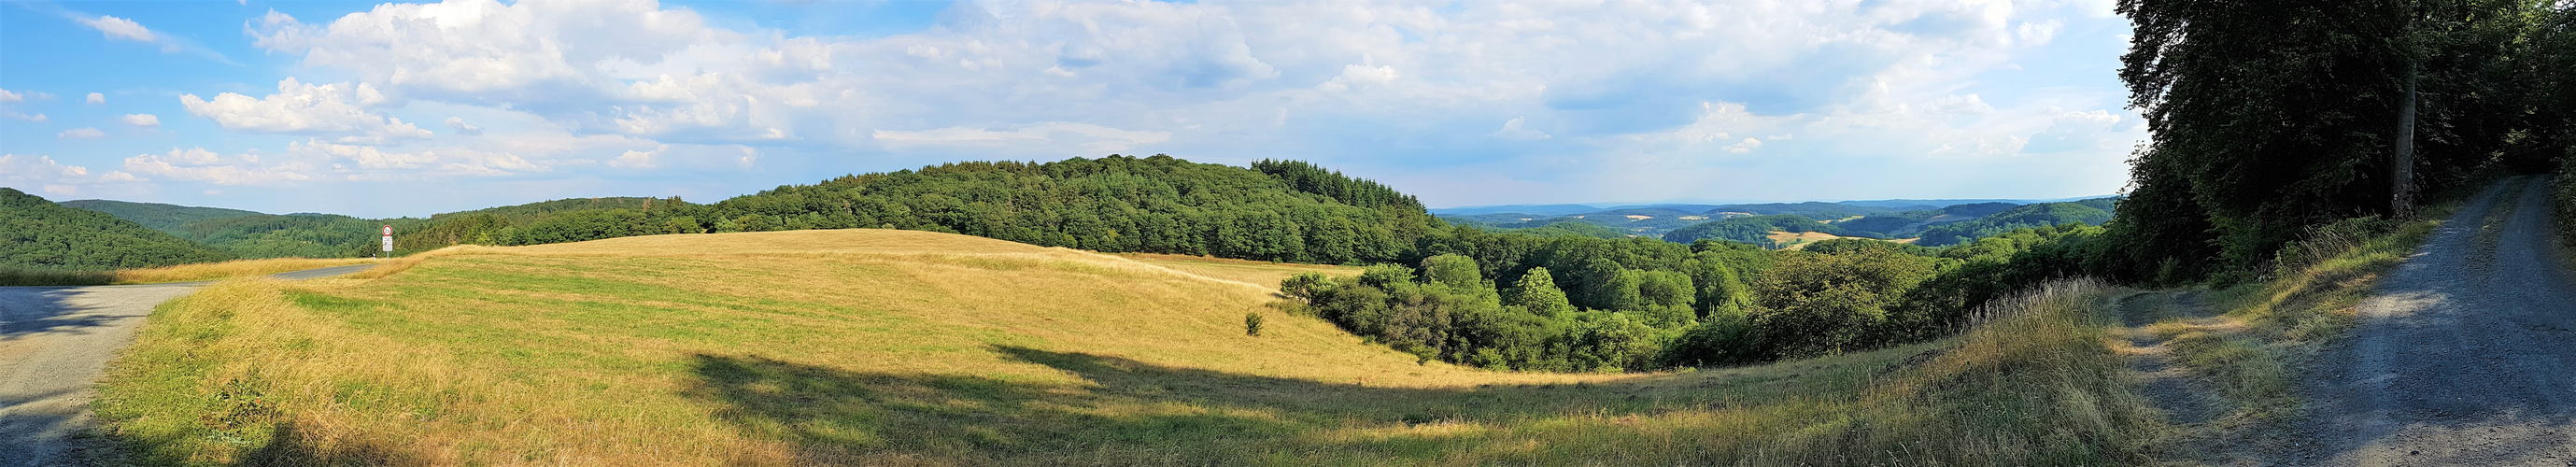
54	342
2466	355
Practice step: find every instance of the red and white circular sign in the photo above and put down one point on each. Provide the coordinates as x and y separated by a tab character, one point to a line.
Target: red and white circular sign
389	231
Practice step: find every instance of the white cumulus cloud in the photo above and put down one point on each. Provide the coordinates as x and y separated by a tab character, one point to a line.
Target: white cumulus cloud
1040	138
142	120
201	165
118	28
458	125
305	109
63	179
96	98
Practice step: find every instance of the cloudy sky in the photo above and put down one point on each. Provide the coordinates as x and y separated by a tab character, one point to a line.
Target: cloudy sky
409	109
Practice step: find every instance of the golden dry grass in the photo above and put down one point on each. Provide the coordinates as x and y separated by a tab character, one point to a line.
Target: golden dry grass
231	269
1799	240
179	273
883	347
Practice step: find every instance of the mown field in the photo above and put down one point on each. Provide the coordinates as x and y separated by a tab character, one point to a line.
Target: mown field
10	276
888	347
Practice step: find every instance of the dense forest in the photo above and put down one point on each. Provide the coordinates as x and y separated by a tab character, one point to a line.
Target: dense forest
157	216
2088	212
36	233
2270	117
1274	210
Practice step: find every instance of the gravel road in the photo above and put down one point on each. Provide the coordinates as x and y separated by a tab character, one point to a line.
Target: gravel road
2462	356
54	342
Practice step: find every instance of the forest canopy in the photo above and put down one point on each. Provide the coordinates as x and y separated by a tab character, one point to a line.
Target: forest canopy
36	233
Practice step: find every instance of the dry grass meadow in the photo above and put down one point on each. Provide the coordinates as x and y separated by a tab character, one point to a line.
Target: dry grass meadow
886	347
179	273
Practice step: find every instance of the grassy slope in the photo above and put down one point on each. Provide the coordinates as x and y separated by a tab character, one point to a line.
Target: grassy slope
901	347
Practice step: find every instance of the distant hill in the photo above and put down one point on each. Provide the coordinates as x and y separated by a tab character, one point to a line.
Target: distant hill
302	235
2092	211
1817	210
540	209
1911	223
1531	209
1654	220
1752	229
164	217
1917	204
37	233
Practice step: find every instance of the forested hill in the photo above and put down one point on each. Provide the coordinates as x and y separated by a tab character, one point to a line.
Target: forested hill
37	233
164	217
535	210
1274	210
2088	212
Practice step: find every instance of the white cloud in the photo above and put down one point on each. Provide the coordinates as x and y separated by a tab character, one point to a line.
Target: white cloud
1356	75
81	133
96	98
1056	137
1675	87
637	159
1968	104
1748	145
458	125
142	120
305	109
201	165
38	118
1513	131
6	96
118	28
61	179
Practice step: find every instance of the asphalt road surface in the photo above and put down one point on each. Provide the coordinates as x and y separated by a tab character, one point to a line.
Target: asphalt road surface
54	342
2466	355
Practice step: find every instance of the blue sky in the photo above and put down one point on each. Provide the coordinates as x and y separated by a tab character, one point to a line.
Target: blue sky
399	109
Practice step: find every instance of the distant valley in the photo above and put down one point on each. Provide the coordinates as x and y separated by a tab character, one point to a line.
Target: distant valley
1789	225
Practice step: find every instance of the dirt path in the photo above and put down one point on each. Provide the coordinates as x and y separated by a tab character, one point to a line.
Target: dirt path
54	343
2151	322
2462	356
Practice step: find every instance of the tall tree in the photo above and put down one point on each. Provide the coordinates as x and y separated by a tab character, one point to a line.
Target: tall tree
2273	116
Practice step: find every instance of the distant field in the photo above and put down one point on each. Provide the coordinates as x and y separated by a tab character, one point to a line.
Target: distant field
878	347
1800	240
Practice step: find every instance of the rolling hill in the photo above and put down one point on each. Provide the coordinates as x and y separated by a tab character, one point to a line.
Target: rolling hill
2092	211
879	346
36	233
158	216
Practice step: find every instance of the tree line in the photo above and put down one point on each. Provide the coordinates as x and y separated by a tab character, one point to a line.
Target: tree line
2270	117
1507	300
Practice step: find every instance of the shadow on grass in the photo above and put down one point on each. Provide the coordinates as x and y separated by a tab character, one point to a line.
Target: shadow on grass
1130	412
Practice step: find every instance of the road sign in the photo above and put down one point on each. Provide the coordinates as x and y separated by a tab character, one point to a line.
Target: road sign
389	239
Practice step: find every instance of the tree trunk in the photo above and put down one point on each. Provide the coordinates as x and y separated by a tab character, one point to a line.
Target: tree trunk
2402	170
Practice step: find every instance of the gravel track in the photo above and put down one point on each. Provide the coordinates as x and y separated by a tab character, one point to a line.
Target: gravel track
54	344
2462	356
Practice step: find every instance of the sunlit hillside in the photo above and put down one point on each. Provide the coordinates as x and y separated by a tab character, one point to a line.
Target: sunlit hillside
881	347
